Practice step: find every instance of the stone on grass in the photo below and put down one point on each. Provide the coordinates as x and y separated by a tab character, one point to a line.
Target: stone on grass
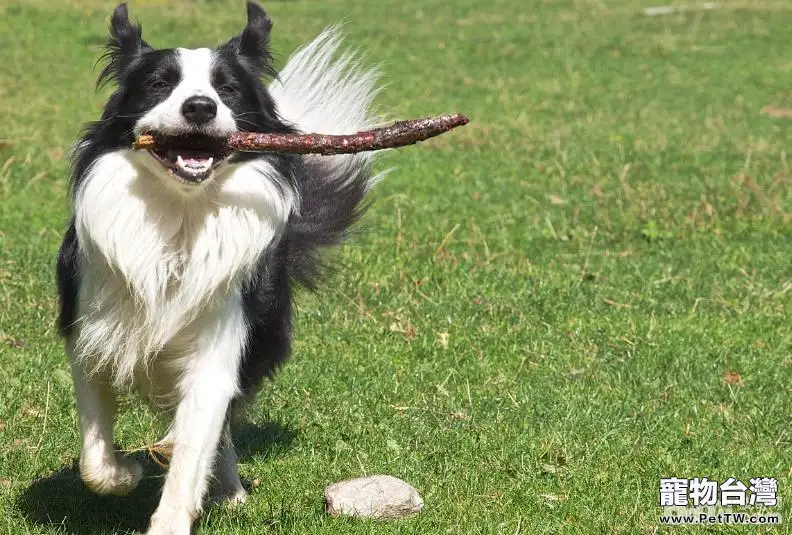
374	497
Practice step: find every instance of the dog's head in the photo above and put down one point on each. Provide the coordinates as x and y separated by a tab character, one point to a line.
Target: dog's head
190	98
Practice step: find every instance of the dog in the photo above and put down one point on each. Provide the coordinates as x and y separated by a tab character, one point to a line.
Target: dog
176	269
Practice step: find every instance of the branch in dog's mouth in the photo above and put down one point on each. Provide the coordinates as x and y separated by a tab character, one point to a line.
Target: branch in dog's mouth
191	156
199	152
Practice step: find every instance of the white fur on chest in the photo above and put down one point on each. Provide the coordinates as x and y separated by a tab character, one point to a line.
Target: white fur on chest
155	258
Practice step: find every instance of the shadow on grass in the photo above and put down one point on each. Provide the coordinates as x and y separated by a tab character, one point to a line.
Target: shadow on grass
262	441
62	500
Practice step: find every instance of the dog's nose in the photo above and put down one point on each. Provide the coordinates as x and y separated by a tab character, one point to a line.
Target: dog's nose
199	110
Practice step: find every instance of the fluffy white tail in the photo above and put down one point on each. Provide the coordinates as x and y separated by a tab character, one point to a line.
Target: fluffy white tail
320	90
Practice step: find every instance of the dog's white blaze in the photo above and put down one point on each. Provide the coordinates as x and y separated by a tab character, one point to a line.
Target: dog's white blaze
155	259
196	74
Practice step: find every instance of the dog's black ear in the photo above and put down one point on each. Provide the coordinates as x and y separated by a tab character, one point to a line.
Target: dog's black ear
124	45
254	40
125	35
252	45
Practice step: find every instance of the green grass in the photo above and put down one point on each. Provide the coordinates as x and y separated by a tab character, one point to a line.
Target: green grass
539	321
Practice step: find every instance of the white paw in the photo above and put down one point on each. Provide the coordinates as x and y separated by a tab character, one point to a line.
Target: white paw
116	475
235	495
167	521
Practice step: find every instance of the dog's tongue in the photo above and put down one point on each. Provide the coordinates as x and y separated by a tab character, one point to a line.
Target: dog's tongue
191	162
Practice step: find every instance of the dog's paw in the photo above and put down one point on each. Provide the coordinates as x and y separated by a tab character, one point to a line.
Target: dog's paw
227	487
117	476
168	521
236	496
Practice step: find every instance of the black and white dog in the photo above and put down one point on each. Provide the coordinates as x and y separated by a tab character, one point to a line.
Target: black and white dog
174	274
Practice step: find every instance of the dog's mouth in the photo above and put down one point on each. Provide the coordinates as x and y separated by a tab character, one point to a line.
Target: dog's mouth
190	157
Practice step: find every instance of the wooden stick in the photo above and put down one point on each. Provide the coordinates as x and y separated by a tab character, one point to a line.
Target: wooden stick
398	134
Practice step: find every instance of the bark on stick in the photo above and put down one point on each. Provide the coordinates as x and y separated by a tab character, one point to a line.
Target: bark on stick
398	134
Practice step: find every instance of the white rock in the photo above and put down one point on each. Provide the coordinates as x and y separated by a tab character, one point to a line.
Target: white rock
374	496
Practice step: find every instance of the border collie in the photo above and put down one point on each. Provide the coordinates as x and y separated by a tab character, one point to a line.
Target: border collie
174	273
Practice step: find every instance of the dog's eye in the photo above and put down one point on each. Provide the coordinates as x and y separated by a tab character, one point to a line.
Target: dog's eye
226	90
159	84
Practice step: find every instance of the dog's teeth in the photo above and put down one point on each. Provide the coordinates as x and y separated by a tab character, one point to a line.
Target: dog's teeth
194	166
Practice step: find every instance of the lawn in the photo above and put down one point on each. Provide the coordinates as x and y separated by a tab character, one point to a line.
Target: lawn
584	290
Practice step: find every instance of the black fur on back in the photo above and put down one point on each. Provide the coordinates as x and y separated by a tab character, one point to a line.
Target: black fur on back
331	203
67	269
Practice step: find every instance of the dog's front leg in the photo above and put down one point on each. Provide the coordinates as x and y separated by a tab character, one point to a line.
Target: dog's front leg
104	470
207	388
228	484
